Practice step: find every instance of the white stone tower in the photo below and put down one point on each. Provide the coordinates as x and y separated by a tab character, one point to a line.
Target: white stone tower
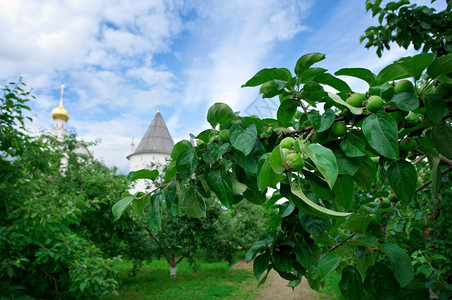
155	147
60	116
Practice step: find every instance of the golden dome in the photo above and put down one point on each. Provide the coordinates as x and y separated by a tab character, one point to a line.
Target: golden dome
60	112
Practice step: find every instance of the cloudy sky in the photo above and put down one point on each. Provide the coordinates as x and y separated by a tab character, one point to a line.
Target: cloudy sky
122	59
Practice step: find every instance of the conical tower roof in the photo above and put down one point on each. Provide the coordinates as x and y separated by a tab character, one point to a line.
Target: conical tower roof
157	138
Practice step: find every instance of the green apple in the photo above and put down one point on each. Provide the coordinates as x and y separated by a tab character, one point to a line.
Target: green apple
339	129
287	143
294	162
408	144
356	99
375	103
412	119
404	86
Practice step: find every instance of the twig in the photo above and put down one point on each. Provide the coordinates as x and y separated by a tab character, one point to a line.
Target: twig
51	277
168	257
419	159
430	181
341	243
310	134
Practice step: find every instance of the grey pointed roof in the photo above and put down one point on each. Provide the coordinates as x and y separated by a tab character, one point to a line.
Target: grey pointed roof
157	138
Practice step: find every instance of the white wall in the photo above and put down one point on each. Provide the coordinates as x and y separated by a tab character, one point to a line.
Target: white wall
143	161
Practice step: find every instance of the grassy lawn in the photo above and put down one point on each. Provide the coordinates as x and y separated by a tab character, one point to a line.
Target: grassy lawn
211	281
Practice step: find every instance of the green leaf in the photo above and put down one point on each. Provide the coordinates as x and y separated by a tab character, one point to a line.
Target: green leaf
402	177
380	282
286	111
139	204
392	72
380	130
416	65
325	161
186	164
255	196
255	249
343	191
272	88
313	224
217	112
119	207
360	73
277	161
306	254
286	209
265	75
307	60
192	202
260	264
310	73
441	66
180	148
248	163
433	160
328	264
142	174
155	213
347	165
352	145
221	184
366	173
332	81
351	285
243	139
353	110
313	208
406	101
401	263
172	199
267	177
323	122
434	107
442	139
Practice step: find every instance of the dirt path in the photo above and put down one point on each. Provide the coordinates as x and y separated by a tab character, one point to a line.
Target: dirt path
276	288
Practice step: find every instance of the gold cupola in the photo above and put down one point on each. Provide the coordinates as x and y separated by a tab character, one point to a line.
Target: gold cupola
60	112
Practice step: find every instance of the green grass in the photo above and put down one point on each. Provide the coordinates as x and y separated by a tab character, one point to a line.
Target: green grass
211	281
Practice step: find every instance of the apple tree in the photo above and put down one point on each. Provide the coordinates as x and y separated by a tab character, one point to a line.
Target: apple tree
341	167
408	24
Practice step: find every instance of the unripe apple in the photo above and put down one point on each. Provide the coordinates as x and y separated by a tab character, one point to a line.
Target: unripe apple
287	143
356	99
404	86
408	144
294	162
339	129
375	103
412	119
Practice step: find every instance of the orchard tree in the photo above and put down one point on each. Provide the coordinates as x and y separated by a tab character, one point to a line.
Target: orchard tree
409	24
177	237
57	238
322	149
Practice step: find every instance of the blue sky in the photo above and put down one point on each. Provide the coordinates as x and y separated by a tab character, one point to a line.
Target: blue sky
121	60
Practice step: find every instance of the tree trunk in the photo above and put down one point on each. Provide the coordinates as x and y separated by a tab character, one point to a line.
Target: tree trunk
173	271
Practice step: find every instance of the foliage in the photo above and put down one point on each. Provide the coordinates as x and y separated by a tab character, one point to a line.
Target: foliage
409	24
321	227
55	230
